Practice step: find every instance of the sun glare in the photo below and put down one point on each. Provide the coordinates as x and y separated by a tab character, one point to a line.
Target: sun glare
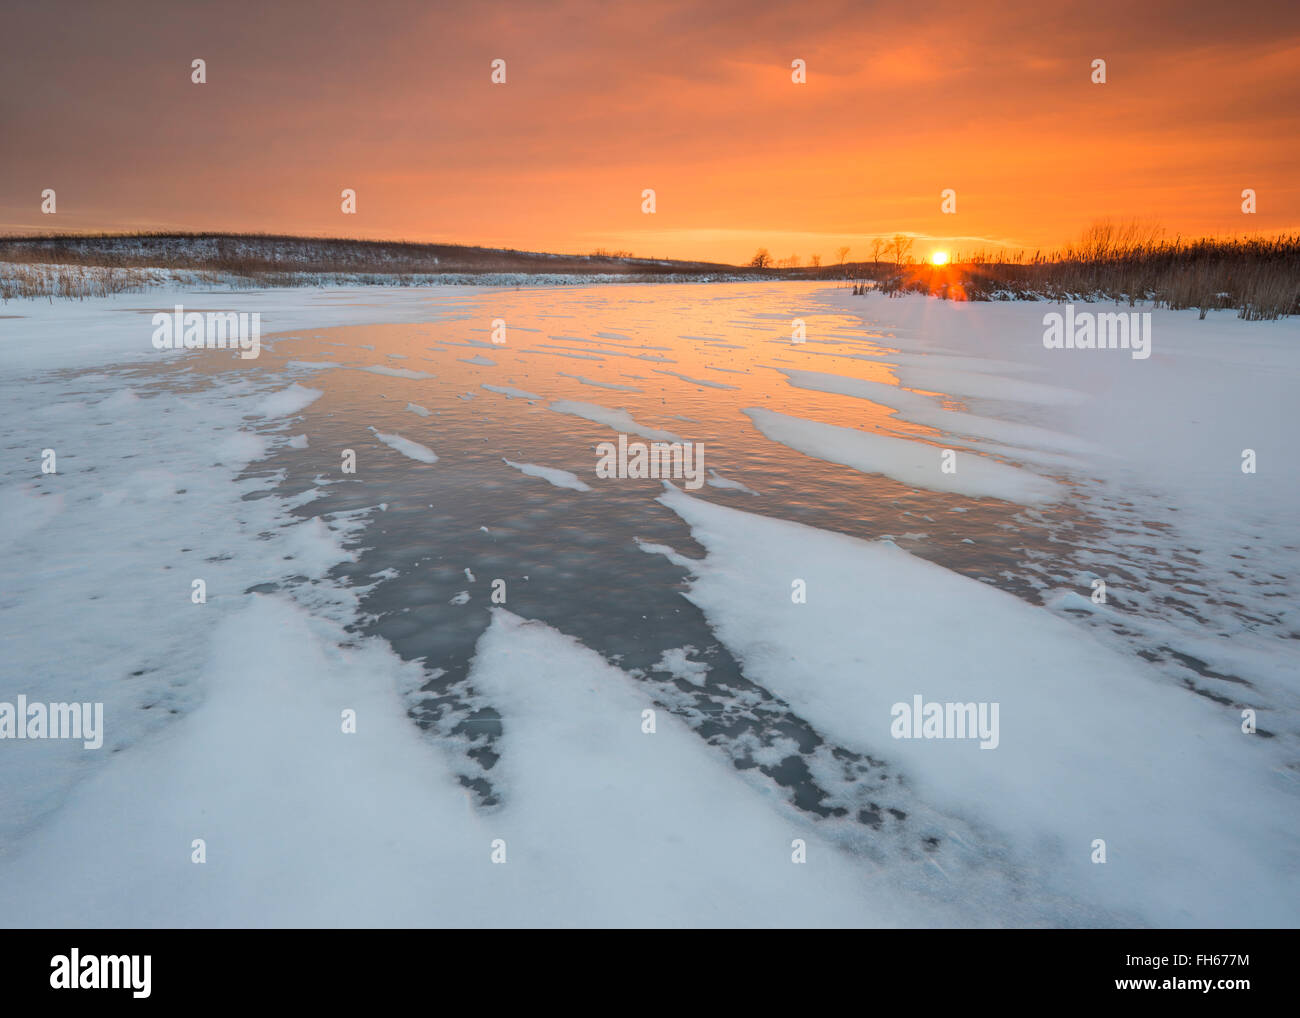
939	258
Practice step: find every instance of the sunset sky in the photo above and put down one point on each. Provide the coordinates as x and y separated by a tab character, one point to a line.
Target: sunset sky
694	100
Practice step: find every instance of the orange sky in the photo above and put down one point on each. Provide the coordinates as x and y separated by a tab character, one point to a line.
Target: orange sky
694	100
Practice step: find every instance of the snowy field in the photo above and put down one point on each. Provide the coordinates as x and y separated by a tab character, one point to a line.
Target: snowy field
480	679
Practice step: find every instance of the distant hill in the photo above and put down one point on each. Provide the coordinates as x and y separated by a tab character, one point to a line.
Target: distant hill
255	254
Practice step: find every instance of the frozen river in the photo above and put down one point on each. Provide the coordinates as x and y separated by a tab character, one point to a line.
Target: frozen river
891	502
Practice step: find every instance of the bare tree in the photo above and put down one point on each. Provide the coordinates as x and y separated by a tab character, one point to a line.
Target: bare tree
902	247
877	246
762	259
815	261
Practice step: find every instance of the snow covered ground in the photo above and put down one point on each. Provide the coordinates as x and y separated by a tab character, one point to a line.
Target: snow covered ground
266	728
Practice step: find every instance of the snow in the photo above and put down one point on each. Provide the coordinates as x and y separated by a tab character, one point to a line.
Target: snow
658	826
292	400
617	420
600	385
680	663
106	330
509	392
1091	746
145	501
727	484
574	356
694	381
1154	449
223	717
580	774
408	448
909	462
312	548
384	369
922	409
559	478
1070	600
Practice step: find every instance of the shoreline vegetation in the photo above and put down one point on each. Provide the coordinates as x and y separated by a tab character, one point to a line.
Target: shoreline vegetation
102	264
1258	276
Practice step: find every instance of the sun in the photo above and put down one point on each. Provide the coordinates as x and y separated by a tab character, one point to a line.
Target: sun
939	258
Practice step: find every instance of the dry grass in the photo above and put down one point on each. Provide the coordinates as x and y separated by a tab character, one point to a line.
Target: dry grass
77	281
1259	277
